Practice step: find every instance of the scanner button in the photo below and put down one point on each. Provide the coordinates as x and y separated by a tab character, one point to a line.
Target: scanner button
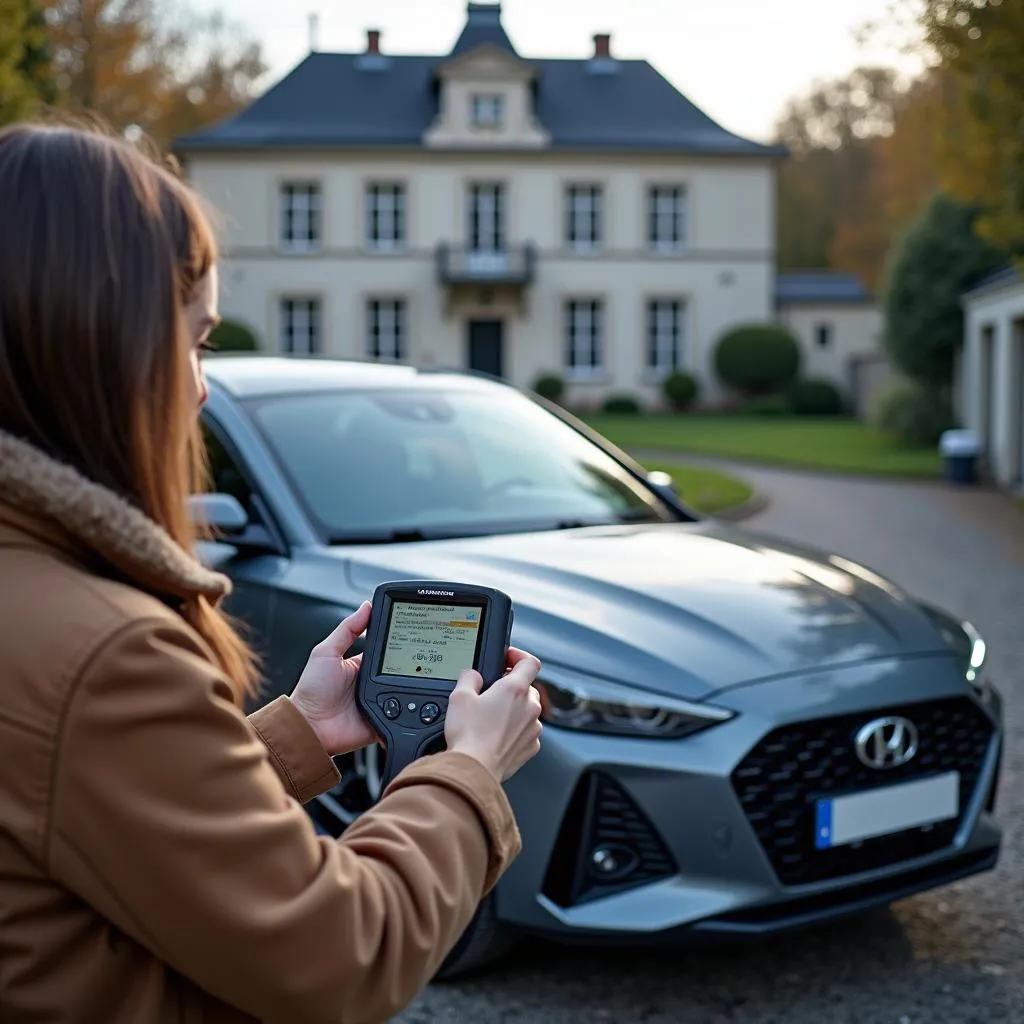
392	708
429	713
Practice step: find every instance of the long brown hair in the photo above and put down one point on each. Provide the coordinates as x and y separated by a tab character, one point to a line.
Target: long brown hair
101	248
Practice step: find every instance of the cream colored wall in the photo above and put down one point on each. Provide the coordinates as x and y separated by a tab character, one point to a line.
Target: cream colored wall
725	274
992	397
856	331
494	73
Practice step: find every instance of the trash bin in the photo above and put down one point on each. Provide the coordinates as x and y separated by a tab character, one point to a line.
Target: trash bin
960	451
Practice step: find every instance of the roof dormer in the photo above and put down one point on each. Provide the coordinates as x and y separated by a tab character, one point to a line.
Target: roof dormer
485	90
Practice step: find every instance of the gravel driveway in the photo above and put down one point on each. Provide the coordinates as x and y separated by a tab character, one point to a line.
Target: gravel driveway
949	957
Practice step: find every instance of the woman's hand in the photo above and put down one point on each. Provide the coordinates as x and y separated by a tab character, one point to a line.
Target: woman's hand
326	691
501	726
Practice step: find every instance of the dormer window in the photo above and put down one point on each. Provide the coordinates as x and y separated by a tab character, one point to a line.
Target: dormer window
488	110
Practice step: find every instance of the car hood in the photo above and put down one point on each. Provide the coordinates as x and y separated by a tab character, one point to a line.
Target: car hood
685	609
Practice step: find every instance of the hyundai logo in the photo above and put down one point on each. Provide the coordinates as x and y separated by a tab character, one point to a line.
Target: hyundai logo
886	742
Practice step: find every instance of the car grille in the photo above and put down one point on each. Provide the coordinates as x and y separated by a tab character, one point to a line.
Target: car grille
602	816
780	780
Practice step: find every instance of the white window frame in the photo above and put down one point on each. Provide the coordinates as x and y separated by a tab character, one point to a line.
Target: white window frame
490	198
487	110
386	207
664	335
387	329
667	223
584	334
584	217
300	223
305	312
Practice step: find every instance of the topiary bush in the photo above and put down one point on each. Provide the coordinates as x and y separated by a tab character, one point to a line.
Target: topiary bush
680	390
758	359
234	336
767	405
549	386
816	397
621	405
916	414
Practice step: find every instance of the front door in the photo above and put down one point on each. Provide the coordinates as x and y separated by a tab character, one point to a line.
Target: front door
485	347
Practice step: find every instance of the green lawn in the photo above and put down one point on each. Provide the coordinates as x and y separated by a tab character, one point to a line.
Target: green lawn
843	445
705	490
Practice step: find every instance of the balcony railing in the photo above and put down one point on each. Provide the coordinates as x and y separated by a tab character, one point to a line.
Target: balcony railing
512	266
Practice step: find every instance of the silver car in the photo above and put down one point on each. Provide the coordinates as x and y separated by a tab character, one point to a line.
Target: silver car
744	736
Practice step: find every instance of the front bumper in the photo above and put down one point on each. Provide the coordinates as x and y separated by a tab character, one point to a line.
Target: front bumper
694	857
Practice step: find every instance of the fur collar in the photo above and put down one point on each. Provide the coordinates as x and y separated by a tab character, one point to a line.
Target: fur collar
102	521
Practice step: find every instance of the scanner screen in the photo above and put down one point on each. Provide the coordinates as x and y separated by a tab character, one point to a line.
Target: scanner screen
435	641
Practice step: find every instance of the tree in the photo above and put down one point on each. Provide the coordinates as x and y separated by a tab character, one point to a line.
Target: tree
25	79
138	68
980	43
939	258
832	133
903	175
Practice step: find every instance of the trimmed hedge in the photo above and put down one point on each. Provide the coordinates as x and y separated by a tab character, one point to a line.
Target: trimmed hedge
914	413
758	359
815	397
680	390
234	336
549	386
621	405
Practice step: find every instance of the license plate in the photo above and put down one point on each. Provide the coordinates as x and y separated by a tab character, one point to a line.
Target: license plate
881	812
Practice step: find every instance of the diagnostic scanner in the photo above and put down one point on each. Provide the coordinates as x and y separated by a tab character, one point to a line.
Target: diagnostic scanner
421	636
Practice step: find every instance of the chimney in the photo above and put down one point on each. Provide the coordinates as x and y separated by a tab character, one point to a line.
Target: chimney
602	46
373	42
314	33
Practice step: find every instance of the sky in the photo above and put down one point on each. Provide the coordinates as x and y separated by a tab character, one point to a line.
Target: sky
739	60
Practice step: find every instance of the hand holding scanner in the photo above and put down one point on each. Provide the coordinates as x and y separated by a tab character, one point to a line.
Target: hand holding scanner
422	635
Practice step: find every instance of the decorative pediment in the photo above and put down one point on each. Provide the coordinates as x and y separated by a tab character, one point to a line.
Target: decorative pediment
487	63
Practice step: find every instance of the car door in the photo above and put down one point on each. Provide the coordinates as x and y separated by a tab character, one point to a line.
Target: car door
252	567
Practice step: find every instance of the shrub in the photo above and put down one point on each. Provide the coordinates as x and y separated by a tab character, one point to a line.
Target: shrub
234	336
767	405
621	405
758	359
549	386
926	272
914	413
680	389
814	397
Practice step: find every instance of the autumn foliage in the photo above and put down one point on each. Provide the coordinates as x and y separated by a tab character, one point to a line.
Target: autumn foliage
129	63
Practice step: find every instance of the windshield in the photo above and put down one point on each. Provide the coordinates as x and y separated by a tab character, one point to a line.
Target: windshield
393	465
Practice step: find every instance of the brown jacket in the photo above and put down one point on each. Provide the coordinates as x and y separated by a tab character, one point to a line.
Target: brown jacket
156	866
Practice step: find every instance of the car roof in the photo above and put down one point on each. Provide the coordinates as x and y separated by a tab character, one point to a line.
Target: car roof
254	376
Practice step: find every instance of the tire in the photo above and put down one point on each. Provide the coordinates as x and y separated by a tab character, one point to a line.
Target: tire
485	941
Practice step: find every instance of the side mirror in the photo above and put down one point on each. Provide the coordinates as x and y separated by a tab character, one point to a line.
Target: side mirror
663	483
221	512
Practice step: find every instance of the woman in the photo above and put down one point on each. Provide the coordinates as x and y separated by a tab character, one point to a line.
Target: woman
155	861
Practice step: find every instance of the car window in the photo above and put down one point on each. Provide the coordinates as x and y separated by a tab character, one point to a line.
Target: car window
225	476
366	463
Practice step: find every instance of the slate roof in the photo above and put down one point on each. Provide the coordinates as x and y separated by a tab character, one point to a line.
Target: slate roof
337	100
825	287
483	27
989	283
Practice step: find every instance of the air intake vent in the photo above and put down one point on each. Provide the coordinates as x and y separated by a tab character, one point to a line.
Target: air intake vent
605	845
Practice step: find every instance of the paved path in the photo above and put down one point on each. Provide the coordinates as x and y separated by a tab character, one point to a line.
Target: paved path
951	957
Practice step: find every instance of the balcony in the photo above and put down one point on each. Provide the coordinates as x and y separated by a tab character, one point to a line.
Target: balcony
511	267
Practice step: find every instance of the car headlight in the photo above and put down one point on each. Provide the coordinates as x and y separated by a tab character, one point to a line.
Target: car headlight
969	645
593	705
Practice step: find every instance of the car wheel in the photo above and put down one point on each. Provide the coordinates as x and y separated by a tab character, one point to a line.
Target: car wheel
484	941
357	791
485	938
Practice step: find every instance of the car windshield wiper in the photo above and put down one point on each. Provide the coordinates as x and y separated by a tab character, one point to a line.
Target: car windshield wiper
409	536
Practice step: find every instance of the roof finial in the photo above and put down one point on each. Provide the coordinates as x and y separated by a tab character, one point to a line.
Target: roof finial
314	32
